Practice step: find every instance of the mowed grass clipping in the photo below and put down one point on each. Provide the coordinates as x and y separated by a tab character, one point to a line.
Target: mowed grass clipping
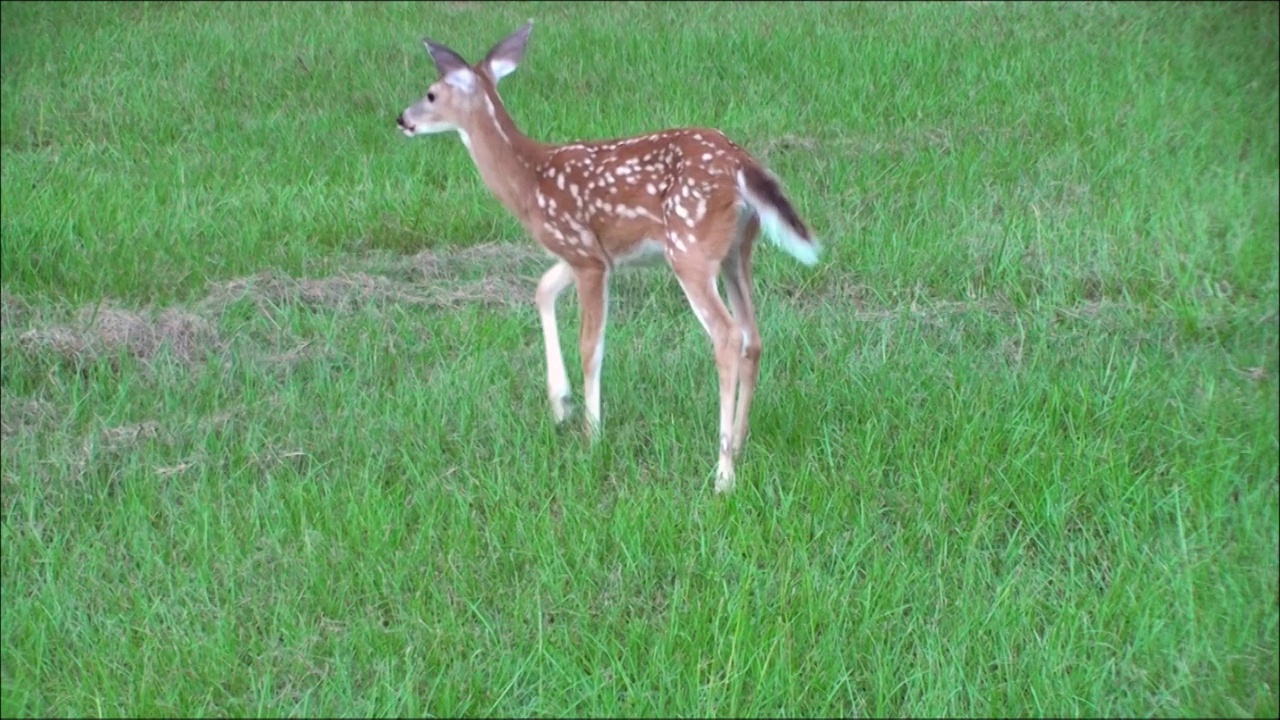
275	433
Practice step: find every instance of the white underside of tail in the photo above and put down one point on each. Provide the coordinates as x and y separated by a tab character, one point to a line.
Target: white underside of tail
778	231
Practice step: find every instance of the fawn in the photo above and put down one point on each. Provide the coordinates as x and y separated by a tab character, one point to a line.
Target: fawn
689	196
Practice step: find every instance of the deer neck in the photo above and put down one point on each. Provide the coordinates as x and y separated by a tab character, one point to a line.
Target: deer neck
505	158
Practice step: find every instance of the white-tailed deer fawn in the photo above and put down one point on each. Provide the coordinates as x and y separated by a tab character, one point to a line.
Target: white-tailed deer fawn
688	196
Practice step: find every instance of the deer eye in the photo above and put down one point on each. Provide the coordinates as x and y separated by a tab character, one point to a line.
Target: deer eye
431	97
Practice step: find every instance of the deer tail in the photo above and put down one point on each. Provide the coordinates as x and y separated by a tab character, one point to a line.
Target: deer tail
778	219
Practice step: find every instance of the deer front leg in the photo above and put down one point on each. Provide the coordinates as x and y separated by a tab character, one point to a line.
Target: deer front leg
593	299
553	282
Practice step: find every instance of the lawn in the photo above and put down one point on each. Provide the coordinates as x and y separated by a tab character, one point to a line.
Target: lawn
276	438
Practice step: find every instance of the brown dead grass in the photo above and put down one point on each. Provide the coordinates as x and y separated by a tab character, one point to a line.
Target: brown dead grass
493	274
491	255
104	331
13	310
500	275
270	290
107	447
21	414
123	437
348	291
503	274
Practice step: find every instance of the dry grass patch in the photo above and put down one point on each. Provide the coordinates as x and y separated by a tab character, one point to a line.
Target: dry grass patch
18	415
104	331
13	310
493	274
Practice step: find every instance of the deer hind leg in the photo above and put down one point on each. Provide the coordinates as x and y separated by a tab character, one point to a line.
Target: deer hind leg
736	270
593	299
553	282
698	280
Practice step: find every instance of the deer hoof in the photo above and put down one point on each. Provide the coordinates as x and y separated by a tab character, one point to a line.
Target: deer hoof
724	480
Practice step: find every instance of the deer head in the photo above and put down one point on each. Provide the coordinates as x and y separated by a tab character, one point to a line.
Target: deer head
462	89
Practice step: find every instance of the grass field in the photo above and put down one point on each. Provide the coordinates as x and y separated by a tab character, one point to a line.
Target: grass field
275	432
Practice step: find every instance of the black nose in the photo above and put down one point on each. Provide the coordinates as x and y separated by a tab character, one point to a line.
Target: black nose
400	120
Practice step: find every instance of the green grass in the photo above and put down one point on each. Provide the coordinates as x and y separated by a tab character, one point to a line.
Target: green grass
275	433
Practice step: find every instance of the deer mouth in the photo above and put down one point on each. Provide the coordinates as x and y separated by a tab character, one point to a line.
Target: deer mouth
406	127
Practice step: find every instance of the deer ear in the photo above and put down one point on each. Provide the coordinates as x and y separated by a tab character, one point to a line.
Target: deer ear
506	55
446	60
